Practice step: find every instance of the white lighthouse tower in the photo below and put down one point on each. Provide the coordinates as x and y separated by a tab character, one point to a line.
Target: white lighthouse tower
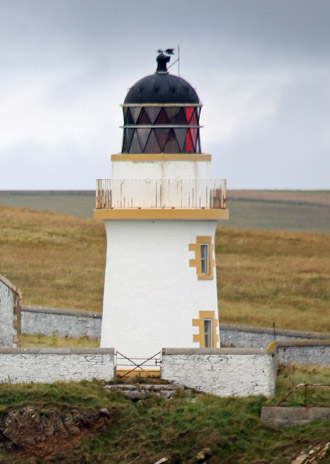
160	210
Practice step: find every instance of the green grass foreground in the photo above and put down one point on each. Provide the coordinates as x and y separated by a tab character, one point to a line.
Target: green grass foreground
179	428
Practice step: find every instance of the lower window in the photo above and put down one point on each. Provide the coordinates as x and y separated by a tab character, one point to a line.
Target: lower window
208	333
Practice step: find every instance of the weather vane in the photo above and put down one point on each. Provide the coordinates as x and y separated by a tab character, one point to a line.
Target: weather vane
168	51
164	57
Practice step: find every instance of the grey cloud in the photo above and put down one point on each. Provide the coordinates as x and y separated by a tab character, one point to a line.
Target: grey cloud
86	45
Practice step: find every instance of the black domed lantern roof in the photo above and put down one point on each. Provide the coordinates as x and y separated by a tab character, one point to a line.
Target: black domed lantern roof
161	113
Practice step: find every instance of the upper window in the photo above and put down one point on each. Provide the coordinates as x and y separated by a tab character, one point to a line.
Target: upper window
205	258
203	261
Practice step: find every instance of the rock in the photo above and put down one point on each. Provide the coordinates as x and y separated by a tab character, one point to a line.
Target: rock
74	431
314	456
134	395
104	412
325	451
203	456
167	394
141	391
32	431
300	459
162	461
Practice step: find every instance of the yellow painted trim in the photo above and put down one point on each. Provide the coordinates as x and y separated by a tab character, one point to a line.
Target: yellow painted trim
162	157
165	214
138	373
197	262
272	346
200	337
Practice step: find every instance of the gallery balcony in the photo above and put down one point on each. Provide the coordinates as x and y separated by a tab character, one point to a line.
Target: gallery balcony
161	194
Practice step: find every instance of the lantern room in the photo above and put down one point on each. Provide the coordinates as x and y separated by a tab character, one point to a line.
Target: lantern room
171	125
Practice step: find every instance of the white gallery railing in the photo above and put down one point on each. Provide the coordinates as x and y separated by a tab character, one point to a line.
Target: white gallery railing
160	193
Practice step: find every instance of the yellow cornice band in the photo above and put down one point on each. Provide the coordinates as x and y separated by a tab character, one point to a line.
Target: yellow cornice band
162	157
161	214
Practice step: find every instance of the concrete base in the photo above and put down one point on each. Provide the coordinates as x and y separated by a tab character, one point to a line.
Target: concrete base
287	417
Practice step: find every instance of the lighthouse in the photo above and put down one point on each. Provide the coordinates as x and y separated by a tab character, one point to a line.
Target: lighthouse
160	211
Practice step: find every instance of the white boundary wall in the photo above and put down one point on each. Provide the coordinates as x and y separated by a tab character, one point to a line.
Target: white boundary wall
10	314
222	372
47	365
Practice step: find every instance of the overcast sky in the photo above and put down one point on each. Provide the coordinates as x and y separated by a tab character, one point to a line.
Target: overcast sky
260	67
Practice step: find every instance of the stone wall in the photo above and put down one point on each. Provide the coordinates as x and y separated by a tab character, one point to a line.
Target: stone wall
222	372
244	336
304	352
62	322
10	314
74	323
47	365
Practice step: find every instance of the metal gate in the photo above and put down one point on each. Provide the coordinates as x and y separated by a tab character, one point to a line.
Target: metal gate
137	365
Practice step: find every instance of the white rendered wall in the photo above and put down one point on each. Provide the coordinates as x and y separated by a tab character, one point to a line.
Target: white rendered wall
151	294
161	169
46	365
8	316
224	372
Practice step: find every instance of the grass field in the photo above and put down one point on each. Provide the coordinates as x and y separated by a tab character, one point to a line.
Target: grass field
56	202
266	215
280	277
280	210
264	276
57	260
309	197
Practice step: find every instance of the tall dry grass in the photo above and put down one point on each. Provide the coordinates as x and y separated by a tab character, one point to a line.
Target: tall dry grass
263	276
56	259
281	277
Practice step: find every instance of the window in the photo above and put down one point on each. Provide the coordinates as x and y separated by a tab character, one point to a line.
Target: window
208	333
207	324
205	258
